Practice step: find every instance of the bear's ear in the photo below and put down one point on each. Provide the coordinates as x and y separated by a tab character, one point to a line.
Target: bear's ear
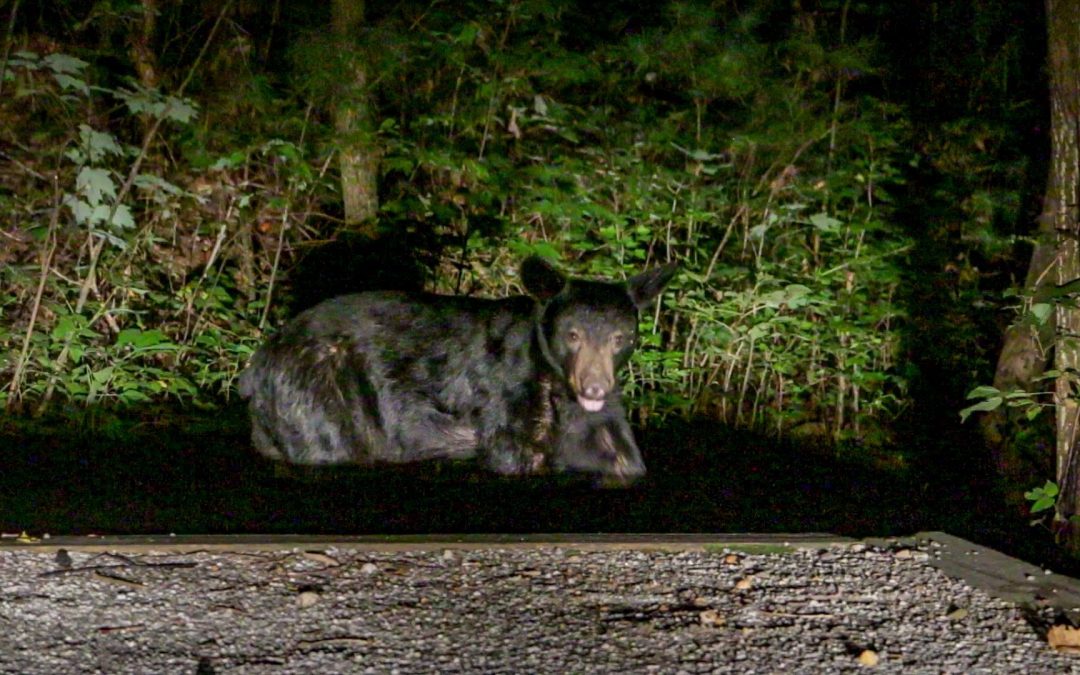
541	280
646	286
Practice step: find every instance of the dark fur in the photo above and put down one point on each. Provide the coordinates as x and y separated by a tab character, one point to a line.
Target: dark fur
401	377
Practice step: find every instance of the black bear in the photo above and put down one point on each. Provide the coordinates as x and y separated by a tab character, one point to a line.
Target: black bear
525	383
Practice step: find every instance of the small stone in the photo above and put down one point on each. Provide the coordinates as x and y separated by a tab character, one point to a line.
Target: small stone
369	568
869	658
63	558
731	559
744	583
307	599
904	554
711	617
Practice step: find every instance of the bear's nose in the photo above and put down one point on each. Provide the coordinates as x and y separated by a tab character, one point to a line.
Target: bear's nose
595	392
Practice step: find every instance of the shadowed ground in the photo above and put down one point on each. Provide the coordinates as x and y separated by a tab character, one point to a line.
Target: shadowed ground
199	476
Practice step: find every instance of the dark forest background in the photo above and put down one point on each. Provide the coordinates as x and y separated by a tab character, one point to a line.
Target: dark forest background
851	188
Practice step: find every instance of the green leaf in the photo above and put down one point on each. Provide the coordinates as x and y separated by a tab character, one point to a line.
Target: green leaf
95	184
179	110
102	376
127	336
122	218
150	338
67	82
62	63
63	328
982	406
467	35
1042	312
824	222
1042	504
98	144
152	183
133	396
80	210
983	391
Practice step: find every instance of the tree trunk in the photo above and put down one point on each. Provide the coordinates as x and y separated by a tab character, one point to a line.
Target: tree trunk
143	56
1024	357
1063	193
358	156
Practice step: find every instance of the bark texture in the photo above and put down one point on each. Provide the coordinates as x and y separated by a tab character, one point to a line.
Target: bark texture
358	157
1062	198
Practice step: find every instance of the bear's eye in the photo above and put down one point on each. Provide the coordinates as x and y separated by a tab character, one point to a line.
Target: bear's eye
618	340
573	337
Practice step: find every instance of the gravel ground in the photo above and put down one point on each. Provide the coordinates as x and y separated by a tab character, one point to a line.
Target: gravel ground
542	610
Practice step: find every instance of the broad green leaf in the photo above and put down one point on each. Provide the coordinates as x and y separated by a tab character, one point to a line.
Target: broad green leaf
98	144
180	110
982	406
983	391
63	328
127	336
149	338
81	211
122	218
62	63
95	184
67	82
1042	312
1043	503
133	396
102	376
150	182
467	35
824	222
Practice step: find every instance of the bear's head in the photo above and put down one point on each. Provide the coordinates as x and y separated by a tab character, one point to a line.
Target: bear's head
588	329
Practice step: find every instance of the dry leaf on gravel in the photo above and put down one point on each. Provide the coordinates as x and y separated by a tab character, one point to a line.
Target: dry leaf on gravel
868	657
319	557
1065	639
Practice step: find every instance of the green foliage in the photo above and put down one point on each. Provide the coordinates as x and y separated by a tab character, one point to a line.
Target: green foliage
1042	498
115	330
714	148
1044	501
741	142
989	398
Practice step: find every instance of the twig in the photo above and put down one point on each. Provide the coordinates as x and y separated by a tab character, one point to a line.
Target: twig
46	264
7	44
97	568
274	268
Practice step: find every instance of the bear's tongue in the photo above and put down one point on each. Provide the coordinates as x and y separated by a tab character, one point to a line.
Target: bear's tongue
591	404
